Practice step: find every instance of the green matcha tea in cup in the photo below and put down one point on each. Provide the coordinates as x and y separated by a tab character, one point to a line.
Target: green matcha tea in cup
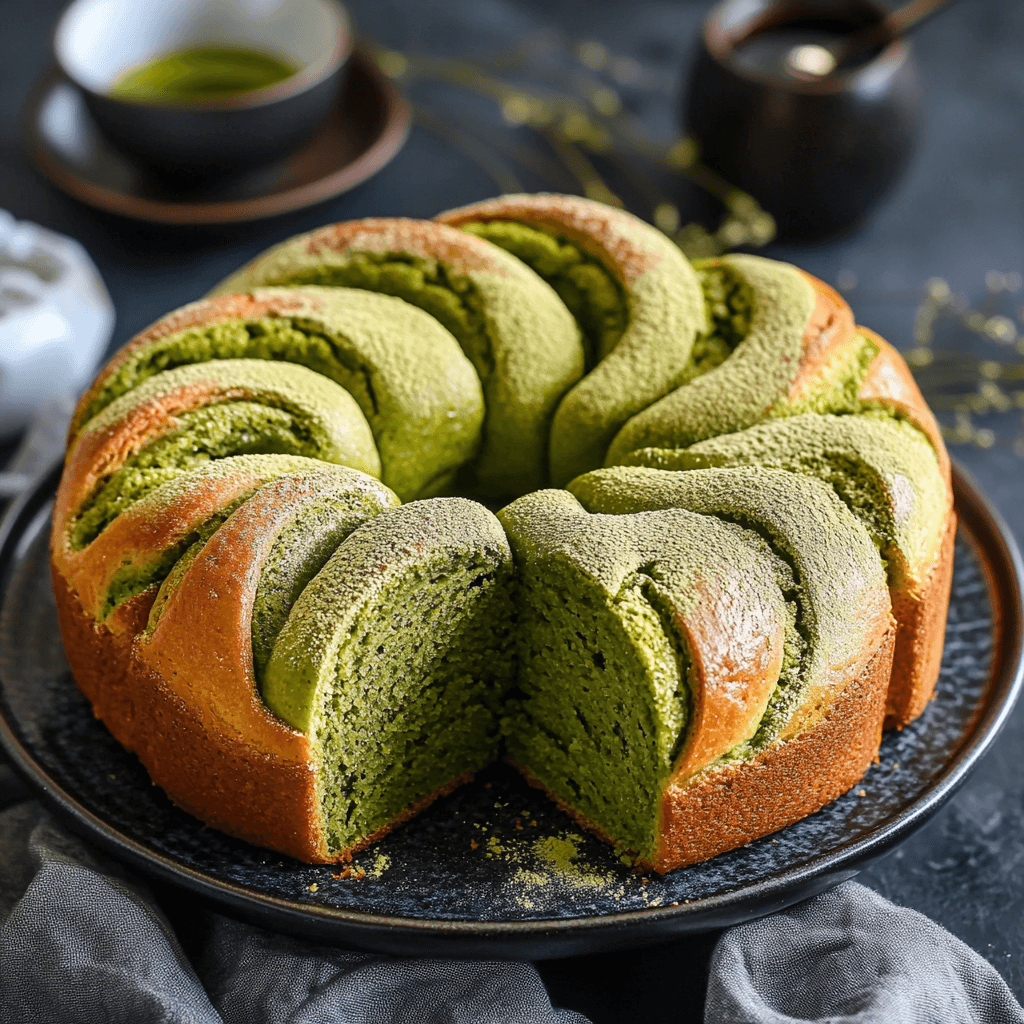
201	73
205	86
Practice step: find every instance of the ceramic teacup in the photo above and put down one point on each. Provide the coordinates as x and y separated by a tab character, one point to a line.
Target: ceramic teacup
98	41
816	154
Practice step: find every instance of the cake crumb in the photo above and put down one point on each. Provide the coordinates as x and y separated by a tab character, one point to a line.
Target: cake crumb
380	864
313	887
862	792
355	872
895	765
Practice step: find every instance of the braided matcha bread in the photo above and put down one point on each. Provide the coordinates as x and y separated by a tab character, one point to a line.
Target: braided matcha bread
687	649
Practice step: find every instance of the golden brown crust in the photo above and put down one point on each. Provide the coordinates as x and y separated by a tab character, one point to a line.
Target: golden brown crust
735	662
921	615
727	807
100	652
264	797
139	535
618	239
430	240
890	384
829	340
921	605
877	627
204	733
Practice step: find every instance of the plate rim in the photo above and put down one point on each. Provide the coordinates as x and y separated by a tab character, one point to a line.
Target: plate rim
395	130
982	526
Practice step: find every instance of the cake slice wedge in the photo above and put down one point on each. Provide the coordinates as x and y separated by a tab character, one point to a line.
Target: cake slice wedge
648	647
392	666
822	726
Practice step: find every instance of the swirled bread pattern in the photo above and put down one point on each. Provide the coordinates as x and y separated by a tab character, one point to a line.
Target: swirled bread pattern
402	497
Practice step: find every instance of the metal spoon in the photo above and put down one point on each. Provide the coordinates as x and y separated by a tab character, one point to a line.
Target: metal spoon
814	60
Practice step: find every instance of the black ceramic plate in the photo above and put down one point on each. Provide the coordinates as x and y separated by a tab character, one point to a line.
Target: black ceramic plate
494	870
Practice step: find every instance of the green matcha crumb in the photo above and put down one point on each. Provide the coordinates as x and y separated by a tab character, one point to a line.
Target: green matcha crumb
839	395
558	853
381	863
728	306
589	290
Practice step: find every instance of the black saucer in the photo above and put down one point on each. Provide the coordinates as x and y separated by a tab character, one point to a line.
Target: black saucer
367	128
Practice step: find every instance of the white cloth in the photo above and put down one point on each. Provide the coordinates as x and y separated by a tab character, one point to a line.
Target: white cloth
55	319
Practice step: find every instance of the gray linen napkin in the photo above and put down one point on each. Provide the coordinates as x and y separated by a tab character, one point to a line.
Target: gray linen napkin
850	956
83	941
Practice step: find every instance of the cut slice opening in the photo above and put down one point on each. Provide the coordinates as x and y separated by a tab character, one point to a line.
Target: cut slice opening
589	727
394	661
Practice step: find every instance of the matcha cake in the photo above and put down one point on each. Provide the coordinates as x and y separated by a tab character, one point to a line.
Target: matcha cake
278	584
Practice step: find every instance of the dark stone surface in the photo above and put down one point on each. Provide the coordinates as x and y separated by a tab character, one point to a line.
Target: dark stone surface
958	213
